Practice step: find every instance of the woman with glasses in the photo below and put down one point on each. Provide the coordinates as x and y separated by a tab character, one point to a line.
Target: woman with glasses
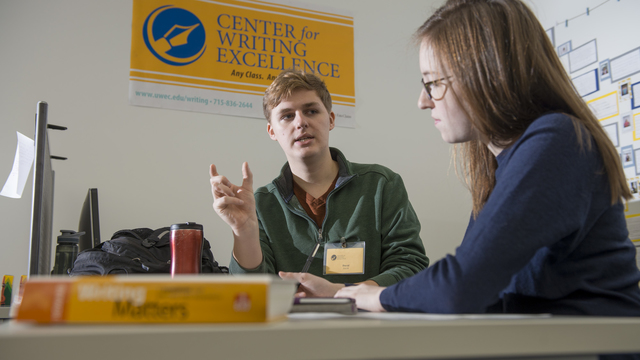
547	232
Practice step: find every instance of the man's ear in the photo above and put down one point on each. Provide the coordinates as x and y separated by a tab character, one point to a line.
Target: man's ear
332	120
272	134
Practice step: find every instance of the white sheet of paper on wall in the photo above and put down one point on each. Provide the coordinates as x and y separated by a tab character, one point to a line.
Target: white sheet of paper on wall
22	164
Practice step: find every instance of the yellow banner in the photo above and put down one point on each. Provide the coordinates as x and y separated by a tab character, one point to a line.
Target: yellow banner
220	56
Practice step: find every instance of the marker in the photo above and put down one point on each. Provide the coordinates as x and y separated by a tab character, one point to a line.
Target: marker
310	258
307	264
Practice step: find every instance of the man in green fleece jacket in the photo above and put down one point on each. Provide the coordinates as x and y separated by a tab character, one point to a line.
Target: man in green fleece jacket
324	221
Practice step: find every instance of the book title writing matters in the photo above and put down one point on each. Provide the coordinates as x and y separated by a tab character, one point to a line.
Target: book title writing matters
131	302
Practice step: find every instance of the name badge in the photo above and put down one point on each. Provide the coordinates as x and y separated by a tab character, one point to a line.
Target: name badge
344	258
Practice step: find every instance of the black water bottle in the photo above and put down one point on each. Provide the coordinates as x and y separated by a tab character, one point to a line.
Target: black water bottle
66	252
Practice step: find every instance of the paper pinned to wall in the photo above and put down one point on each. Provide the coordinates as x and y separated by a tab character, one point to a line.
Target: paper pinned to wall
587	83
625	65
22	164
606	106
583	56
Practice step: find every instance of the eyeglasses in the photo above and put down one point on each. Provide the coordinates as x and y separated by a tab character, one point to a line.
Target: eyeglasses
436	88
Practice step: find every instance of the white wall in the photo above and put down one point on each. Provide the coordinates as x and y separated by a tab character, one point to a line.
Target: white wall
151	165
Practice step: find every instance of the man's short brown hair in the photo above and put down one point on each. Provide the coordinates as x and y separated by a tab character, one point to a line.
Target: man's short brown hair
291	80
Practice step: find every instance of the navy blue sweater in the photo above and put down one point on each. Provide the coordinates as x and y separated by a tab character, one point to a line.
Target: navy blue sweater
548	239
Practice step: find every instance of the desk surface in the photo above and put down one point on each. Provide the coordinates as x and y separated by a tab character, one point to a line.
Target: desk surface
4	312
334	338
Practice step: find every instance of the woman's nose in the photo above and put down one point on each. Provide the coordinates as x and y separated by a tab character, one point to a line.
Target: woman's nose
424	102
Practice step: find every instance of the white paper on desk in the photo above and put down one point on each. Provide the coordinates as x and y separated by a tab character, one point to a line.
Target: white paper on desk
421	316
22	164
412	316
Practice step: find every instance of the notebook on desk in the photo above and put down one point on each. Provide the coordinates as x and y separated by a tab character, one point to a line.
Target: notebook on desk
337	305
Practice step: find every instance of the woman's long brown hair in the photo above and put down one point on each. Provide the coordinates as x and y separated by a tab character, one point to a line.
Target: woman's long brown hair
506	75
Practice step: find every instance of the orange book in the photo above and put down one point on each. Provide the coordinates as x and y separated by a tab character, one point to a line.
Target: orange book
156	299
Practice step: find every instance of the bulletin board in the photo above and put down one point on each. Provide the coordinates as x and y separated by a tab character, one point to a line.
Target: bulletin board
600	51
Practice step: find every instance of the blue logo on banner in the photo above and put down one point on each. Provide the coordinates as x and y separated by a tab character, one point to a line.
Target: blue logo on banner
175	36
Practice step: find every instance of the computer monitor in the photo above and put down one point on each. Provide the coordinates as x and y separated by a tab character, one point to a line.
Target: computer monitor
89	222
42	199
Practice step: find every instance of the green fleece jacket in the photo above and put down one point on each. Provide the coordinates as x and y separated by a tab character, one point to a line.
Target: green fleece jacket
369	204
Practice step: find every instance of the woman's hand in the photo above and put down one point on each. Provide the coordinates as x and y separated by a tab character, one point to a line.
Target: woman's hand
367	297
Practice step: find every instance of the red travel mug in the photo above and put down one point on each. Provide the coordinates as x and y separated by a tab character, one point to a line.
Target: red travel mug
186	248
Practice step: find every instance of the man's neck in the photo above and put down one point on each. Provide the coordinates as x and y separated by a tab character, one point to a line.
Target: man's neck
315	175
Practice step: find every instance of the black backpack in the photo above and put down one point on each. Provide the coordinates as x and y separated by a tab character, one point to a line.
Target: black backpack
137	251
